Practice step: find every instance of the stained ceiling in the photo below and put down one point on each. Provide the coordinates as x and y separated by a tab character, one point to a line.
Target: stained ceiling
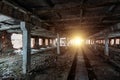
70	16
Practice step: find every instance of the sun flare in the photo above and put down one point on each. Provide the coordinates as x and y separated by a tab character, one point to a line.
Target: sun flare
77	41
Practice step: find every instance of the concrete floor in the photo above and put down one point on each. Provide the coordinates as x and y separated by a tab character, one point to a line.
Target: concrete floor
101	68
49	66
60	70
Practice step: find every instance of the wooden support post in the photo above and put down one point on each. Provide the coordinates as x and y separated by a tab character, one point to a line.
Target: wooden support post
58	44
26	48
106	45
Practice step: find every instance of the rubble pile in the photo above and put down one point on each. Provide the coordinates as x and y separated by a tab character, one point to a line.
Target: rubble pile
43	61
11	66
61	68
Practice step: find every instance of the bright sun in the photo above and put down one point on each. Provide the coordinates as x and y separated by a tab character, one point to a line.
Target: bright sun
77	41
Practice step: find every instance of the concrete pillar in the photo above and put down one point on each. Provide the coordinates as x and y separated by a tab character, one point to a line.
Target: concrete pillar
106	46
49	44
26	47
95	45
119	40
36	45
58	44
66	41
114	42
93	42
109	42
43	42
90	41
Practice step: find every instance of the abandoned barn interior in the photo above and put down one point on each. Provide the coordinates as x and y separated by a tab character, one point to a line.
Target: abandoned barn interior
59	39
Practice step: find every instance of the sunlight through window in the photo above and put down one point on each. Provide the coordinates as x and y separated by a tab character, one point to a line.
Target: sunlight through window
16	40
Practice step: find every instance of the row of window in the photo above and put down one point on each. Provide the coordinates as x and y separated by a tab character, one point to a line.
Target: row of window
41	41
115	41
17	41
